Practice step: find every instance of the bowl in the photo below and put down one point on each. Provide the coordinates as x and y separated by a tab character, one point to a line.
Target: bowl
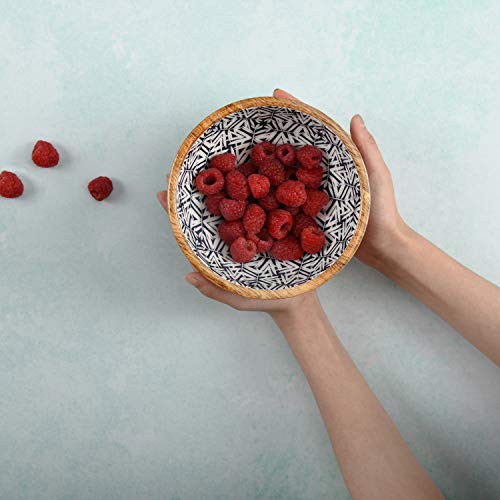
236	128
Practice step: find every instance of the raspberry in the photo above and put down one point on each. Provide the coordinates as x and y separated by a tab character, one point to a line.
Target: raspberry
232	209
209	181
230	230
269	202
224	162
262	240
311	178
213	201
254	218
292	210
274	170
10	185
261	152
302	221
290	174
237	185
316	200
243	250
247	169
312	239
291	193
100	188
279	223
287	249
285	153
45	155
309	156
259	185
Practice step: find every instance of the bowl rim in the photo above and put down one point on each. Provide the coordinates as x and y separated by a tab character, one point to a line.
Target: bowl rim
284	292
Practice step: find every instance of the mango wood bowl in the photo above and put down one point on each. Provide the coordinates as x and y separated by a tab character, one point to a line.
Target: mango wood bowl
236	128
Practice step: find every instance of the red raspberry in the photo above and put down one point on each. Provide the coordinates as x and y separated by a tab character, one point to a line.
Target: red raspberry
292	210
224	162
309	156
269	202
237	185
243	250
10	185
247	169
100	188
316	200
232	209
274	170
209	181
291	193
279	223
261	152
45	155
254	218
262	240
259	185
312	239
287	249
302	221
285	153
230	230
213	201
290	174
311	178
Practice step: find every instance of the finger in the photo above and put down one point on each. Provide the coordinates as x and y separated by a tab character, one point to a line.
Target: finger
163	199
283	94
212	291
367	145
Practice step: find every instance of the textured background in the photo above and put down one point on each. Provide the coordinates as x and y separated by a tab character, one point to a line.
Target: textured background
119	381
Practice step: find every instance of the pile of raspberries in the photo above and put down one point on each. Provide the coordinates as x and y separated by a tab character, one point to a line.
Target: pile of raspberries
268	203
45	155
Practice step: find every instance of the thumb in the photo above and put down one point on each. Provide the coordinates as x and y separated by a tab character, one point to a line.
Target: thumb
212	291
367	145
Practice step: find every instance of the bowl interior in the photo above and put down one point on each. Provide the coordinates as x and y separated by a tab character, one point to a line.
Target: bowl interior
237	133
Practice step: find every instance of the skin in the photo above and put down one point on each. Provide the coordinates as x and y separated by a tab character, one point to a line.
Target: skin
374	459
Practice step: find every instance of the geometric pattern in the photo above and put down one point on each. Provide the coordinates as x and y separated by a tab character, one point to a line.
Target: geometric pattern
237	133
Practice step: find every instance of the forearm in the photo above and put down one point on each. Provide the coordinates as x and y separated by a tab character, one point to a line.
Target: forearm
373	457
466	301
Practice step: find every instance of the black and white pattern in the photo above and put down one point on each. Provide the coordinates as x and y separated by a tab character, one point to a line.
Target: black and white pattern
237	133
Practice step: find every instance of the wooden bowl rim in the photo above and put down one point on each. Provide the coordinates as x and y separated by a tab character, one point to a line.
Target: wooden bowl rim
284	292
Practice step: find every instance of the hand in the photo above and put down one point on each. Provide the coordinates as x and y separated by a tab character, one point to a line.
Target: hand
385	225
275	307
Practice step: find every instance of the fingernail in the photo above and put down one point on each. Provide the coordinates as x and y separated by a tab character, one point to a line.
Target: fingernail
362	121
192	279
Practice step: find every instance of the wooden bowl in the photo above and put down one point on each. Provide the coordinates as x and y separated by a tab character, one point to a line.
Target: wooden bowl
236	128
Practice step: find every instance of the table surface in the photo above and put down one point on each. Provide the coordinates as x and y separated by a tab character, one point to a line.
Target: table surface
117	379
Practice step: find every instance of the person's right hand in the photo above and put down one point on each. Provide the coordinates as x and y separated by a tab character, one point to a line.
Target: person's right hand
385	225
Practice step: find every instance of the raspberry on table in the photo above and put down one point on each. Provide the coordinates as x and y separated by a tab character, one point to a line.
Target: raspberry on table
247	169
262	240
224	162
279	223
316	200
310	177
45	155
269	202
261	152
259	185
237	185
209	181
312	239
287	249
291	193
213	202
285	153
232	209
309	156
100	187
274	170
230	230
254	218
243	250
10	185
293	210
302	221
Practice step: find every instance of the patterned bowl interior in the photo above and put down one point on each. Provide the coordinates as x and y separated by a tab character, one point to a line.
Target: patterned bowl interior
237	133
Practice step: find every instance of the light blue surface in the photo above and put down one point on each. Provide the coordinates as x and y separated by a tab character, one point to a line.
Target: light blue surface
119	381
